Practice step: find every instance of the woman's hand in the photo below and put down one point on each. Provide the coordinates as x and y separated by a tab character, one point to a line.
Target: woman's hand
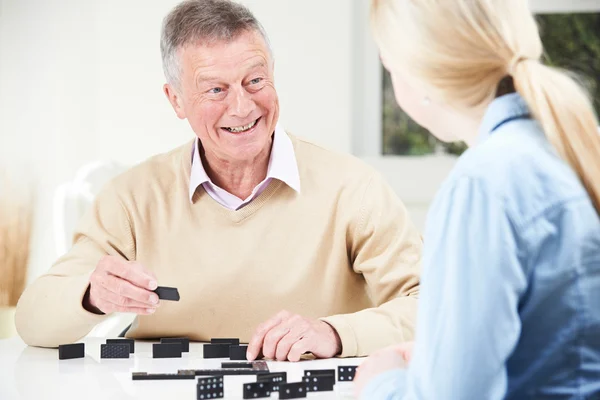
382	361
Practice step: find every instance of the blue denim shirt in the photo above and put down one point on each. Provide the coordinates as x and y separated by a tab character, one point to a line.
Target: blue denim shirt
510	294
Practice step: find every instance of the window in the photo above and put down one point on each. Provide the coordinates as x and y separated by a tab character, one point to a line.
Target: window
571	41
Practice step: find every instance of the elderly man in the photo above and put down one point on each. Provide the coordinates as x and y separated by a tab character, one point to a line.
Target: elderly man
245	221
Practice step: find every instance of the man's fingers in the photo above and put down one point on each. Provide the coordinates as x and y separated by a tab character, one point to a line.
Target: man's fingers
285	344
298	327
152	280
121	301
150	273
135	310
298	349
129	306
126	289
256	342
272	339
132	272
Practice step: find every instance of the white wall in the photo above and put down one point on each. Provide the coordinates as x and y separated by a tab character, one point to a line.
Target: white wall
81	81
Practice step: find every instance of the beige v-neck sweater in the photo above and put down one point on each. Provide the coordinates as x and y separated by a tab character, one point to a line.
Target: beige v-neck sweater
344	250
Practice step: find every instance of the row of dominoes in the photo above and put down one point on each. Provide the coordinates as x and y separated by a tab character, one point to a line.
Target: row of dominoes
114	348
259	368
218	348
313	381
225	348
167	348
271	383
266	382
227	368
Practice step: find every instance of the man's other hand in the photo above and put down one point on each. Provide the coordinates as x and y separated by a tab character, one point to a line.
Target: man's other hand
288	336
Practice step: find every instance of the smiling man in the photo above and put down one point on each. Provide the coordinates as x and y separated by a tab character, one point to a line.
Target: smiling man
246	220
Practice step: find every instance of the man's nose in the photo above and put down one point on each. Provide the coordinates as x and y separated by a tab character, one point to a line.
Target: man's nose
241	104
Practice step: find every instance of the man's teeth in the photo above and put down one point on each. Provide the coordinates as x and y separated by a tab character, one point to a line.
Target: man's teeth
239	129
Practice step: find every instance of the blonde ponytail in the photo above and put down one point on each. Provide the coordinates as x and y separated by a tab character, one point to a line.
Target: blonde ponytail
567	118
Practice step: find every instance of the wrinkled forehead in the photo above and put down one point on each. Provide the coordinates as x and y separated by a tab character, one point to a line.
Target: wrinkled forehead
238	53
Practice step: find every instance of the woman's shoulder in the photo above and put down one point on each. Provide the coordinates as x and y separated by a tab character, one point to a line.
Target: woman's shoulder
518	165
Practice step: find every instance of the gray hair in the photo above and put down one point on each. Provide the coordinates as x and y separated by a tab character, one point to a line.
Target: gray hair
210	21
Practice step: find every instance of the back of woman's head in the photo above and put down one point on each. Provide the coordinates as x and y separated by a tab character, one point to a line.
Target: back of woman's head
462	49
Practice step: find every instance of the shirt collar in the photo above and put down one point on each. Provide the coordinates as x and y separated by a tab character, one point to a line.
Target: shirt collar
502	110
282	164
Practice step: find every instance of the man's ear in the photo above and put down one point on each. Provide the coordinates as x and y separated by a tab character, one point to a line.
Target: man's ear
175	100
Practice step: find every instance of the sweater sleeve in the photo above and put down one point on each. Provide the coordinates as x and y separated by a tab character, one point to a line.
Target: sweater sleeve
385	249
50	311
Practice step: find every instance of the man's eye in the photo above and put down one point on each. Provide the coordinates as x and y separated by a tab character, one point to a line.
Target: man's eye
215	90
255	81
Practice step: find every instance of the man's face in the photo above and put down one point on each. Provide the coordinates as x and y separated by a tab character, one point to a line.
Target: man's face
228	96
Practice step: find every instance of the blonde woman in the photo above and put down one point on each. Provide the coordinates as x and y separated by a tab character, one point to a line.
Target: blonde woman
510	297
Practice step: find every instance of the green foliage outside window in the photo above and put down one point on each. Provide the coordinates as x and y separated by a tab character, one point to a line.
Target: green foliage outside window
571	41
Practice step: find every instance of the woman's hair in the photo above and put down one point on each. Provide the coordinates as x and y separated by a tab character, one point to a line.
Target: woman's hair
463	48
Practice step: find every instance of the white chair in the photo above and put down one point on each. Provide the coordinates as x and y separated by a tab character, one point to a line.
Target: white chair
71	200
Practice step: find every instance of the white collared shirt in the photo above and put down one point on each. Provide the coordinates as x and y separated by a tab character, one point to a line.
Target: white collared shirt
282	166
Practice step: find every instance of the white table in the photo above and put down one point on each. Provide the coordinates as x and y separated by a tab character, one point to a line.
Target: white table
31	373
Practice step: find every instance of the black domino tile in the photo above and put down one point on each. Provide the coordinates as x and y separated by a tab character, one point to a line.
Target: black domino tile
319	383
216	351
273	377
257	368
231	341
129	342
166	350
327	372
257	390
248	365
210	388
294	390
237	352
70	351
275	380
215	380
114	350
144	376
346	373
185	343
167	293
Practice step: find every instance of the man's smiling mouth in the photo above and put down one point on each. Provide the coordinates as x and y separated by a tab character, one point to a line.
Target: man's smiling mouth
240	129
